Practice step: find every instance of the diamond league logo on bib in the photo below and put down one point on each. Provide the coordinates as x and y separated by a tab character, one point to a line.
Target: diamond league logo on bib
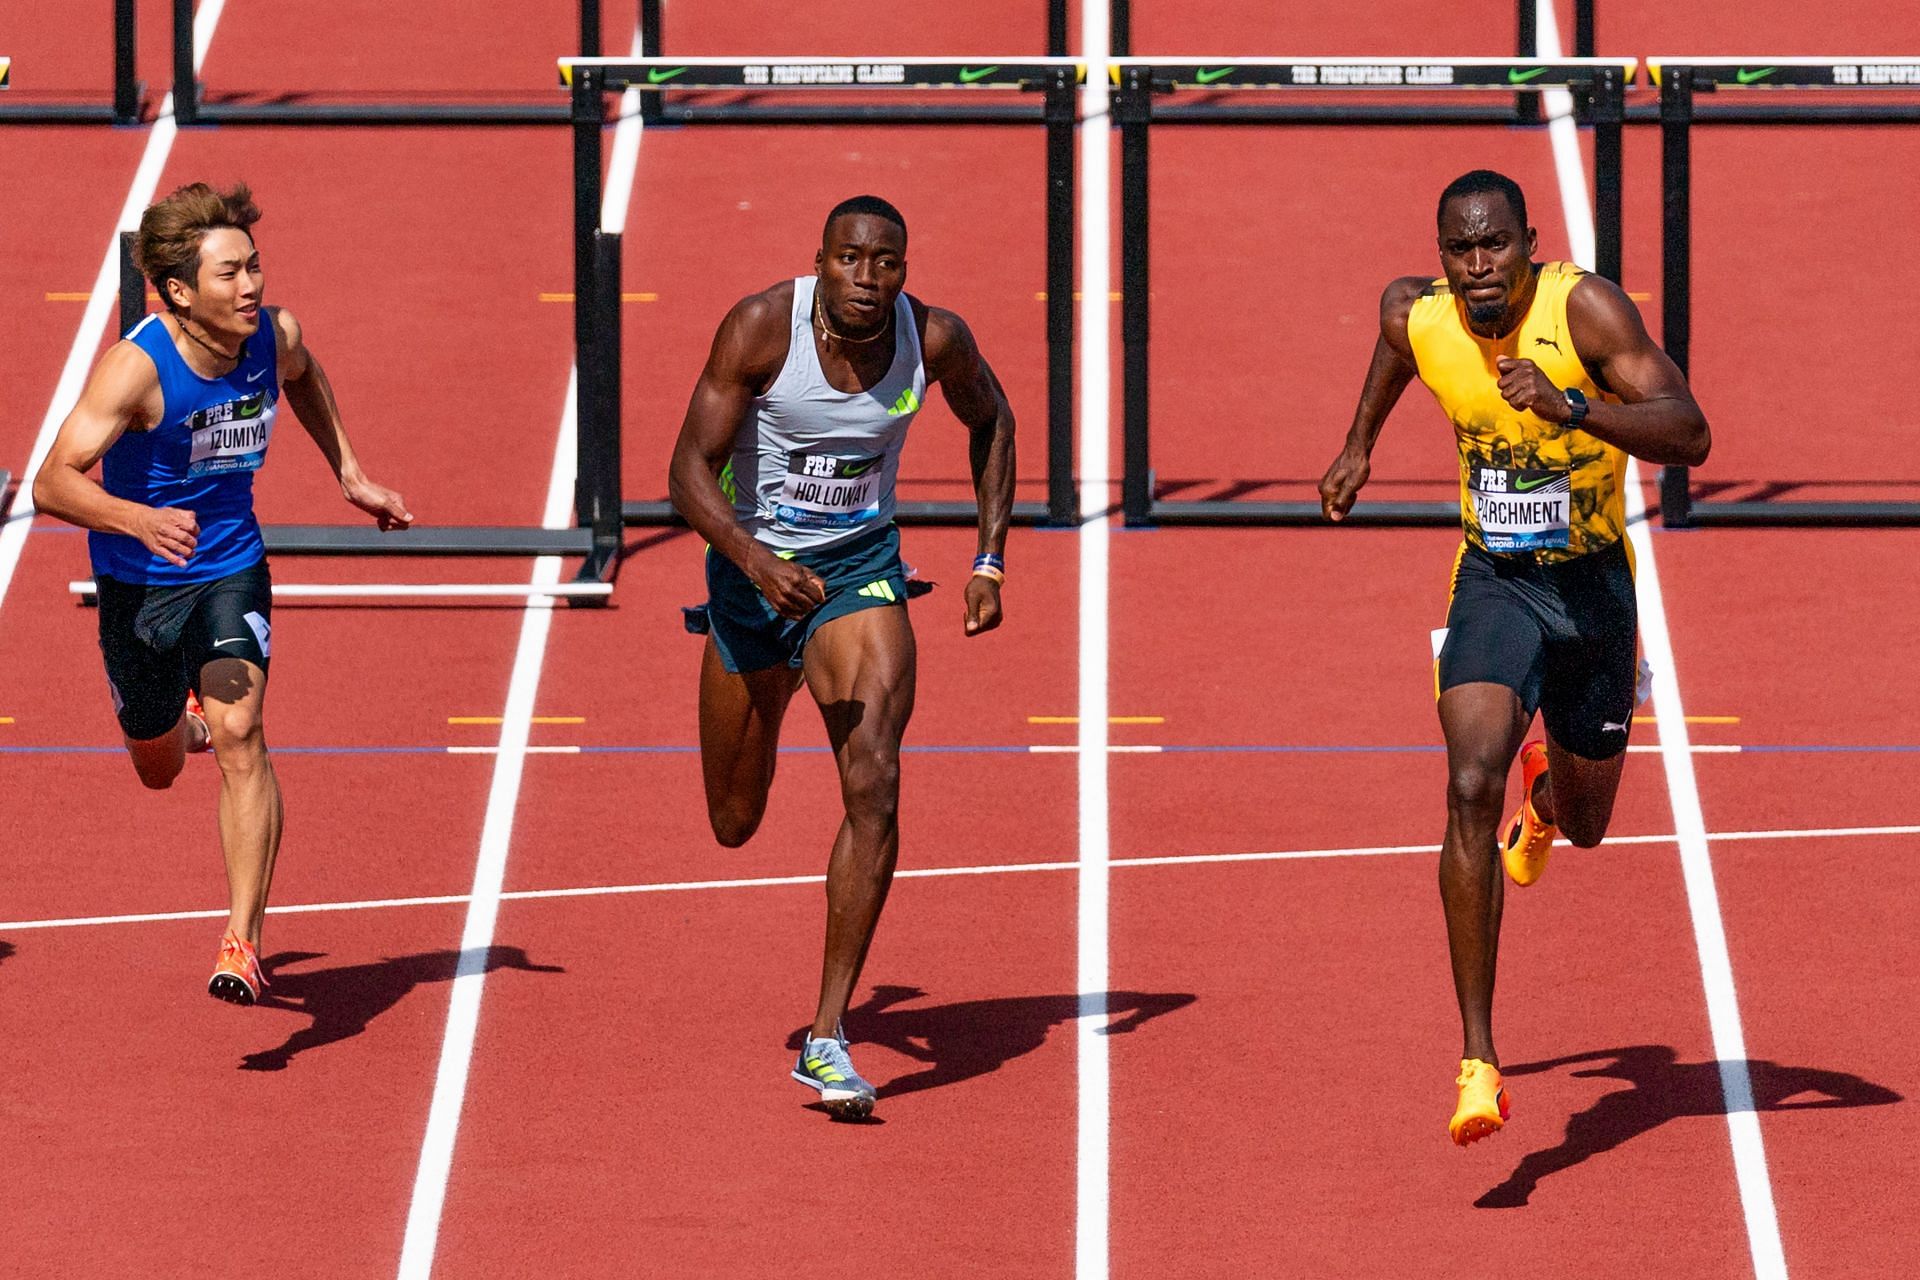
231	436
825	492
1521	510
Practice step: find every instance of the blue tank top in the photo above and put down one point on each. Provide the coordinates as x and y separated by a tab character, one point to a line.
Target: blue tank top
212	436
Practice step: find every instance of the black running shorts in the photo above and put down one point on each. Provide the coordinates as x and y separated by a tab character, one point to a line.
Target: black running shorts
1562	636
155	640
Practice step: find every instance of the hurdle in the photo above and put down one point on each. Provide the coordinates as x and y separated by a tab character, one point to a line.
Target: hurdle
596	538
596	323
1523	109
1680	80
125	107
1601	82
668	104
191	107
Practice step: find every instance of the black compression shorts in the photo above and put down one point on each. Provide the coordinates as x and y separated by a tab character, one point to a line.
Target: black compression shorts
155	640
1562	636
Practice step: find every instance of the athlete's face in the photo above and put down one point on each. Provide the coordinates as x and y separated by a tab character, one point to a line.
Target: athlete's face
862	267
226	295
1488	258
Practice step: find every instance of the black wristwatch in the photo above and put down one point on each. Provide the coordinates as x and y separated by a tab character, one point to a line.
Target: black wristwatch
1577	402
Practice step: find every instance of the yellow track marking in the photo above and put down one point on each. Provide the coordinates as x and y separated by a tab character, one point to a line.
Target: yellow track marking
1640	297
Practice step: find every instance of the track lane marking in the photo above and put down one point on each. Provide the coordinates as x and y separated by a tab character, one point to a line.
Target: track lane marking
476	939
1092	1159
924	873
1683	792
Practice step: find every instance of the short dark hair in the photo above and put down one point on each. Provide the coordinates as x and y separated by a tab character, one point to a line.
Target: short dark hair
167	245
870	205
1481	182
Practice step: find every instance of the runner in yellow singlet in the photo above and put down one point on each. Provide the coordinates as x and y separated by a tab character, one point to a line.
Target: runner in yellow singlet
1550	380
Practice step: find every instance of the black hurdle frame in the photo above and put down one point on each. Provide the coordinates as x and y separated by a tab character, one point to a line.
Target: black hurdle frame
125	107
1680	82
190	106
1524	109
589	80
661	107
596	539
1601	82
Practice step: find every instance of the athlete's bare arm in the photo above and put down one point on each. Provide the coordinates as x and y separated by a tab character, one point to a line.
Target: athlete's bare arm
1392	369
977	399
123	393
748	351
1659	421
311	397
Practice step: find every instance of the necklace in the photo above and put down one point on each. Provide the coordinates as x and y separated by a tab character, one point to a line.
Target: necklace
208	347
820	318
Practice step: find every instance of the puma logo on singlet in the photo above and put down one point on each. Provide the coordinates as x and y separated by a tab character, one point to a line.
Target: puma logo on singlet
1549	342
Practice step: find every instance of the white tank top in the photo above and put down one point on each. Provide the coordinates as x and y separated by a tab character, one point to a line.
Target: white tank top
813	465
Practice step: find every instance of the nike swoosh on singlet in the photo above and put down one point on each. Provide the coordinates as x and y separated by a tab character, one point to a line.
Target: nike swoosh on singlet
234	640
256	375
969	75
1522	484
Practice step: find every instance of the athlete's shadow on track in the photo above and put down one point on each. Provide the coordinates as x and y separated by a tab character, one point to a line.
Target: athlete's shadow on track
971	1038
1663	1089
343	1000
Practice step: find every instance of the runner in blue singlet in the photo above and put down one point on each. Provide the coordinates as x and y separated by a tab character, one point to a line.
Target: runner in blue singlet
179	413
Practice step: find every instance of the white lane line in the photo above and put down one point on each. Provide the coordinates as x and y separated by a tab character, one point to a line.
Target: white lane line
1703	900
102	305
1091	1167
463	1015
918	873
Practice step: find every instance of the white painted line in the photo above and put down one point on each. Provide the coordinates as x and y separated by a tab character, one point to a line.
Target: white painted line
524	750
425	590
919	873
1703	900
1091	1159
102	305
463	1015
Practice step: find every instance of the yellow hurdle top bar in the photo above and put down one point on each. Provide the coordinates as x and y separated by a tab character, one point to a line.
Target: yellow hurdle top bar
6	70
1376	73
1797	73
824	73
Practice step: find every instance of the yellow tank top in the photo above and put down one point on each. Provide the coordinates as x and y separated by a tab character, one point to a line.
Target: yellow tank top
1526	485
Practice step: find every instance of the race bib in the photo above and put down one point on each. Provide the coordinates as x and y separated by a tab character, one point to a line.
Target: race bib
231	436
1521	510
824	492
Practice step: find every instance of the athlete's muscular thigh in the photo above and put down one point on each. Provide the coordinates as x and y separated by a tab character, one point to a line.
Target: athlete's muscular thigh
861	669
740	718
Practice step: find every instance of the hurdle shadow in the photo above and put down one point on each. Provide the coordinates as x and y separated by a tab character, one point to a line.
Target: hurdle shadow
1663	1088
6	951
344	999
971	1038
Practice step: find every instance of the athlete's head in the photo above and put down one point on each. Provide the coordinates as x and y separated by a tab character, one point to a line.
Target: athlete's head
196	246
1486	248
862	265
